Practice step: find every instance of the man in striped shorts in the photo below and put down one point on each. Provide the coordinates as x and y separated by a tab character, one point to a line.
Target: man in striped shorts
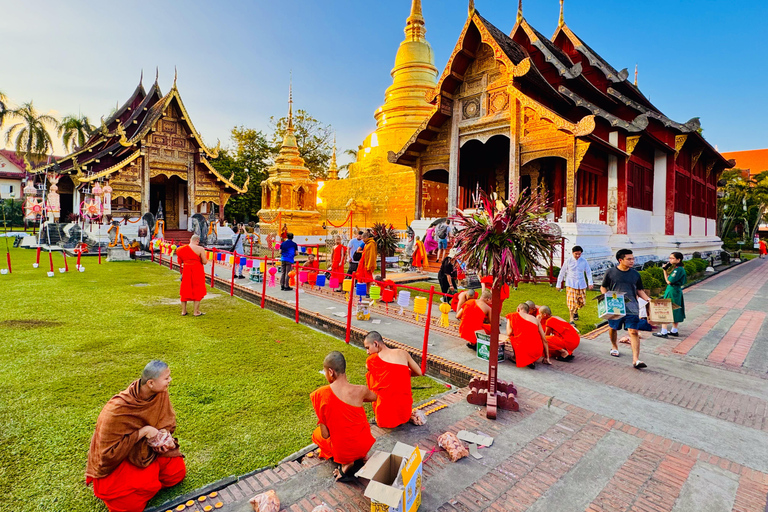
573	274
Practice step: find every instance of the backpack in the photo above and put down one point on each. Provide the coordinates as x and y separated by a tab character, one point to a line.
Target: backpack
442	231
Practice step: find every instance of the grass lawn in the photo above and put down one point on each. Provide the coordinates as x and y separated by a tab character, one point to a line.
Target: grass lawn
541	294
241	376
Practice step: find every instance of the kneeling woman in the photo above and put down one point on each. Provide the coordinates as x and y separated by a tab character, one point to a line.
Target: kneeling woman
675	277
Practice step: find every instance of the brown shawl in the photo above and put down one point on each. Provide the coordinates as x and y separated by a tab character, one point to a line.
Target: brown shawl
369	255
116	437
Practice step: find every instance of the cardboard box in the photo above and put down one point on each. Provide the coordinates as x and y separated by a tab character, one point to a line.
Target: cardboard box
484	346
382	470
661	311
610	306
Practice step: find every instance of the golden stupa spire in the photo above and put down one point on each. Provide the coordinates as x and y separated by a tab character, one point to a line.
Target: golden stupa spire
561	22
519	11
471	7
290	104
333	170
635	75
414	25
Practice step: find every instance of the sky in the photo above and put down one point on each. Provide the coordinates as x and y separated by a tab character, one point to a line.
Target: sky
696	58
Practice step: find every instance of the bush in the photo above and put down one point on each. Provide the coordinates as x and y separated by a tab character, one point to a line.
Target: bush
657	273
690	268
701	265
649	282
555	271
696	255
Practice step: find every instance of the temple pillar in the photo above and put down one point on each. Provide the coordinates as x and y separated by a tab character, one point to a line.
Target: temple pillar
514	150
453	164
144	184
191	178
570	189
419	190
669	205
221	208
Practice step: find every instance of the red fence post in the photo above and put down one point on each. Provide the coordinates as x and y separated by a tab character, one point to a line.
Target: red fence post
213	264
170	262
297	284
151	251
37	261
426	332
50	259
66	265
264	283
232	282
8	257
161	256
99	253
349	310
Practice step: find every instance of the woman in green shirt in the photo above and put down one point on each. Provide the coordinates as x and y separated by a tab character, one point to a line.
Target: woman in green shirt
675	276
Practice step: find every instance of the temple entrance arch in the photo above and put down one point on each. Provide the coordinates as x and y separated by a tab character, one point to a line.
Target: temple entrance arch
434	193
483	166
548	174
170	192
66	198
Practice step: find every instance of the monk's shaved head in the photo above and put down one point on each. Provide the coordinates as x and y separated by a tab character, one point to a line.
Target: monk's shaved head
530	304
194	238
523	307
152	371
335	361
471	293
374	336
545	311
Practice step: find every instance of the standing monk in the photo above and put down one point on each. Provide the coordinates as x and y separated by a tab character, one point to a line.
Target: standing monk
192	259
337	261
474	317
126	472
389	376
419	255
562	337
527	338
367	265
343	431
763	249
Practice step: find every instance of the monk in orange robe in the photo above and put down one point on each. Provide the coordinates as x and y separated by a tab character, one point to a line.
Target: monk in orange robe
419	255
562	337
461	298
527	338
389	376
474	317
126	471
337	261
487	284
312	267
343	432
192	259
367	265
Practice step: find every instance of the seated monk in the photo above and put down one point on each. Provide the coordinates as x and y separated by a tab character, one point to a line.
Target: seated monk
312	267
533	310
486	282
562	337
343	431
461	298
125	470
527	338
474	317
389	376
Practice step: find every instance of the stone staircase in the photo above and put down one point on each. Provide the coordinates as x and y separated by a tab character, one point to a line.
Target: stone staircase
179	236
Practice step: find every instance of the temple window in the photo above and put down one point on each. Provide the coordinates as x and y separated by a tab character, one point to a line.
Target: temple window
640	185
588	188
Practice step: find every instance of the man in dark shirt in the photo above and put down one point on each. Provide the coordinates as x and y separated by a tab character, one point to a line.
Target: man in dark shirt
447	276
624	278
288	250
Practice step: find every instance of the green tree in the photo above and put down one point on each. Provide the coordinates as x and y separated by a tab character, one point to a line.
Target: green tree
742	204
75	131
3	107
352	153
315	141
30	136
249	158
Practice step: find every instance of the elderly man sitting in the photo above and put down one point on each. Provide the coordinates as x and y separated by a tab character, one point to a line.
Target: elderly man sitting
132	454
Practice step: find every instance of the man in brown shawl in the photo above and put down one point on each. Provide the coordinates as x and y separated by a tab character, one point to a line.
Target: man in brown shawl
132	454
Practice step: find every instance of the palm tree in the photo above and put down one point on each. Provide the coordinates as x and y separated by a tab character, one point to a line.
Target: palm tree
75	131
3	107
30	136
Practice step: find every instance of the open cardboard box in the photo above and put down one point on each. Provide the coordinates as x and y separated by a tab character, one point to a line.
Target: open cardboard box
382	471
611	306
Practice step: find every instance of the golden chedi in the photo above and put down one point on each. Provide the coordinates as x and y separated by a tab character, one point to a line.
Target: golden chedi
289	193
376	189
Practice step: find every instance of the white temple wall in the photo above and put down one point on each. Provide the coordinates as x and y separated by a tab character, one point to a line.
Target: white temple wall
589	214
697	226
658	222
639	221
681	224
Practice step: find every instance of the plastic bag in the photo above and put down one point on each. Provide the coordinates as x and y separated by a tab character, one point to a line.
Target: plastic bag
451	444
161	440
322	508
418	417
266	502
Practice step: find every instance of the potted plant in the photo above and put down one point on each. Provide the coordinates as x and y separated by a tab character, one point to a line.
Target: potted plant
386	243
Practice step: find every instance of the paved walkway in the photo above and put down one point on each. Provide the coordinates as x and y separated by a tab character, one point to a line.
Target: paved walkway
690	433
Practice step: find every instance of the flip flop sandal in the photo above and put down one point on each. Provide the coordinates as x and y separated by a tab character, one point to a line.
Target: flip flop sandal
569	358
640	365
348	476
615	353
201	314
184	314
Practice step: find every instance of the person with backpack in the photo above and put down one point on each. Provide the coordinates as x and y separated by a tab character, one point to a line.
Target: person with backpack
443	232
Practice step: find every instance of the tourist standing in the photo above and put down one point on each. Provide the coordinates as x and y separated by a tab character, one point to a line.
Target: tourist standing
447	277
133	454
354	252
192	259
675	276
443	233
430	244
288	250
624	278
572	274
238	250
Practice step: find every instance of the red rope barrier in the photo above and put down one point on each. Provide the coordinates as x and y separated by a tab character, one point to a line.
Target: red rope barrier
342	224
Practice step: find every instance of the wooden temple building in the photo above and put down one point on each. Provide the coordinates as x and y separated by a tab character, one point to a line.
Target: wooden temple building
513	112
152	157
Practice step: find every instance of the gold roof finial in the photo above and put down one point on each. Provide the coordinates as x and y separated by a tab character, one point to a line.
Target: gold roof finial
562	17
471	7
414	25
290	103
519	11
175	76
141	78
157	73
635	75
333	170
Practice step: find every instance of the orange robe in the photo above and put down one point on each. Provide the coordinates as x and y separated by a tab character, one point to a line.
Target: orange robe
419	255
763	247
337	262
312	270
192	275
392	383
350	431
564	335
472	319
128	488
525	339
488	280
367	264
